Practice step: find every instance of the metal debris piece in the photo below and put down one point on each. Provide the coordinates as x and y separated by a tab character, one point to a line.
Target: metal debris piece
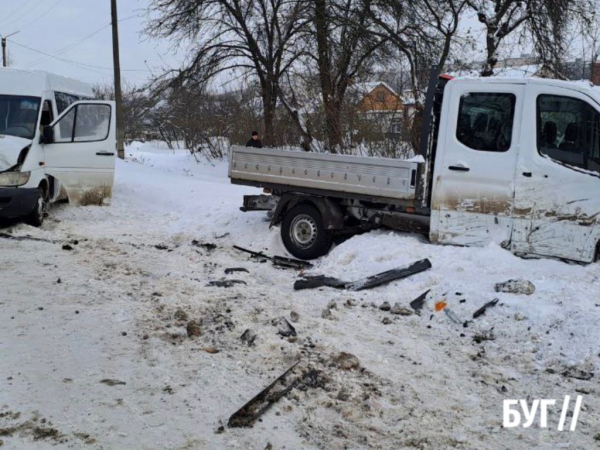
366	283
205	245
259	404
231	270
481	311
225	283
417	303
112	382
278	261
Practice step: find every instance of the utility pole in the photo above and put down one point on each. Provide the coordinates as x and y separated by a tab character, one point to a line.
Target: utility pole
4	38
117	70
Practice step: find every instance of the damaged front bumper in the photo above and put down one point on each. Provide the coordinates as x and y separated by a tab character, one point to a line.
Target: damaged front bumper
17	202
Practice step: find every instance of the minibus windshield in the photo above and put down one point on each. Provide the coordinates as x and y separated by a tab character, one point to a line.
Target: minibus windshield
19	115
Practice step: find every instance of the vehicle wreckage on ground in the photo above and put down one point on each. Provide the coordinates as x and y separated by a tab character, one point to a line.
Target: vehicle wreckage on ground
511	161
55	143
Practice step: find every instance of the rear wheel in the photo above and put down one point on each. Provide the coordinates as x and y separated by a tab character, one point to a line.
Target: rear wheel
36	217
303	233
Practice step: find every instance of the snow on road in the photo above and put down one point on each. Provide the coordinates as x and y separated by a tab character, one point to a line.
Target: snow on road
93	355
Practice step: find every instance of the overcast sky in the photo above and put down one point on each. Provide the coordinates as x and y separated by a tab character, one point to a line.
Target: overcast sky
52	26
73	38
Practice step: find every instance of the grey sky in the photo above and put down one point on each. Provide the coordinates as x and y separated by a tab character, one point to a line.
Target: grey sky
51	25
77	33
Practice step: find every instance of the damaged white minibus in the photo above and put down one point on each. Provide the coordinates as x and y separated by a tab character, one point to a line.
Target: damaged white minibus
55	143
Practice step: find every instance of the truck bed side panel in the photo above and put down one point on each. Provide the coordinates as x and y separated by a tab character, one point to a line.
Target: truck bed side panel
381	177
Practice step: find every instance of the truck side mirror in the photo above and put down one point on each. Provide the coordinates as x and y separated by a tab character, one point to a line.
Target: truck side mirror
48	134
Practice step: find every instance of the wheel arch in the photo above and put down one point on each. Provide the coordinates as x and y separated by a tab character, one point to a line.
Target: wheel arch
45	186
331	211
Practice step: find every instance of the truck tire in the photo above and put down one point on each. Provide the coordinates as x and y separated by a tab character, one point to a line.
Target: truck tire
303	233
36	217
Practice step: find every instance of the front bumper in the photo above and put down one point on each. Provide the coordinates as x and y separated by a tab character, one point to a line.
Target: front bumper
17	202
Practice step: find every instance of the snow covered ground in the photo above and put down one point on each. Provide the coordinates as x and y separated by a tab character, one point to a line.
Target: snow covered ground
93	355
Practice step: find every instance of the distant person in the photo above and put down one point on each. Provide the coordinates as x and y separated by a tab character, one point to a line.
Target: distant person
254	141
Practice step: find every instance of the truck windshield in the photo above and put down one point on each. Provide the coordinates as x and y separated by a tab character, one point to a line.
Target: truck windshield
19	115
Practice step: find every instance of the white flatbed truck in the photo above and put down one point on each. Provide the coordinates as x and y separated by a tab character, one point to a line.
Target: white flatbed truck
513	161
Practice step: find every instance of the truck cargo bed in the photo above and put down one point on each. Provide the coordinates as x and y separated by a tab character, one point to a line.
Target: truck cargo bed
377	177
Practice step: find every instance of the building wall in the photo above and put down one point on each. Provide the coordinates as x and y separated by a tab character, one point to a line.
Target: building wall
380	99
596	74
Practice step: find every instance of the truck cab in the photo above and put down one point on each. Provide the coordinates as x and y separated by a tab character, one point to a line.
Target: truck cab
55	143
511	161
518	163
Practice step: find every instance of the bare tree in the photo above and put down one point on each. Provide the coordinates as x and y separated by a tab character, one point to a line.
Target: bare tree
344	47
543	21
423	32
256	37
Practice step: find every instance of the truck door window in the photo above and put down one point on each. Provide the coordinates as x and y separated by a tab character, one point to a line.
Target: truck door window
485	121
568	130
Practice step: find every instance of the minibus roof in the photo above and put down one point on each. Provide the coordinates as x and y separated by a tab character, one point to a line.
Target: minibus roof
35	82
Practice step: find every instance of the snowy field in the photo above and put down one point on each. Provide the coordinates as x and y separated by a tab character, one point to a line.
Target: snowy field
95	353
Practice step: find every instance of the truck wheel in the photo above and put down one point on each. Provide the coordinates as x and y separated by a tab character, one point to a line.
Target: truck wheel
36	217
303	233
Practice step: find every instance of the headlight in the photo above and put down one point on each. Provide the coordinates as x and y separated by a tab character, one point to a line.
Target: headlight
12	179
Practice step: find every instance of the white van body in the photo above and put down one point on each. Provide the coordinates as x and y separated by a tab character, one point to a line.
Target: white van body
535	197
73	160
511	161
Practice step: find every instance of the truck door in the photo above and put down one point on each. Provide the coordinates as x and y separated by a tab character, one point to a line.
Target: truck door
473	190
557	201
79	150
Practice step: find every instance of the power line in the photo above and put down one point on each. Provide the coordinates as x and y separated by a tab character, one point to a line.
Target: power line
5	18
74	62
69	47
75	44
41	15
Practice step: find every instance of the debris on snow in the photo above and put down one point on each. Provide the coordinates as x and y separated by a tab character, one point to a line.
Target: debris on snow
439	306
294	316
112	382
481	311
385	306
206	246
193	329
259	404
452	316
351	302
225	283
278	261
578	373
484	336
346	361
417	303
400	310
326	314
518	286
248	337
312	282
180	315
231	270
285	328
